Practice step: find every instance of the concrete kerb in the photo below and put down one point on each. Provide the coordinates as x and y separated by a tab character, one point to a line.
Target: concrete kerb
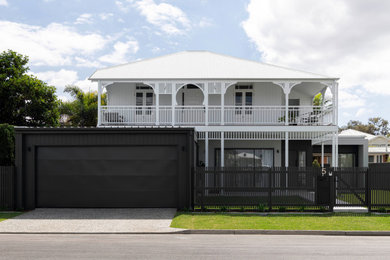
224	232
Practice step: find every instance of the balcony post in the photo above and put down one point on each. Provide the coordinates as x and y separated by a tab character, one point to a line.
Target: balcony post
222	149
173	102
206	103
99	103
336	137
286	121
286	150
333	151
206	149
222	107
322	154
157	93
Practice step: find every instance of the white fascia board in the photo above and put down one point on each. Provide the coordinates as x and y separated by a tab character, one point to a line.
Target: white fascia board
348	140
178	80
266	128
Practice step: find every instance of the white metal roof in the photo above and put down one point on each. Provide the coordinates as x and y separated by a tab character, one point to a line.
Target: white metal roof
369	137
200	65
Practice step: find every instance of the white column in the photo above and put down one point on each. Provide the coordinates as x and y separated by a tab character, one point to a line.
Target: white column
222	106
206	149
334	104
336	90
286	106
206	103
333	151
336	149
222	149
157	92
99	103
322	154
173	103
286	150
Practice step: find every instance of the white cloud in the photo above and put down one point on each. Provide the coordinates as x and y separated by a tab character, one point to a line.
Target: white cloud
205	22
84	19
64	77
121	52
346	39
53	45
105	16
59	79
81	62
168	18
3	3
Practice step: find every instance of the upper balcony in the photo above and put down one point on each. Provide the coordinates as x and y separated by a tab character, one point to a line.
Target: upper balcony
215	115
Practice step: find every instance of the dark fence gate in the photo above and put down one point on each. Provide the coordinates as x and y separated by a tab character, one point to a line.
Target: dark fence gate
292	187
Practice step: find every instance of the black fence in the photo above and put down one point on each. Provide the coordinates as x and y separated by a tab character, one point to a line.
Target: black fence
7	175
309	188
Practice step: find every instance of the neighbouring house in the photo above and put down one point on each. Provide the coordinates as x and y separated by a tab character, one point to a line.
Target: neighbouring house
352	151
378	145
245	113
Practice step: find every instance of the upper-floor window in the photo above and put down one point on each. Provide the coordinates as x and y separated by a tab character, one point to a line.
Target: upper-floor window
243	99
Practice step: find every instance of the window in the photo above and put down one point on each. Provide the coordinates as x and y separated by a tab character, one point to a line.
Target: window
246	158
301	158
244	87
371	159
347	160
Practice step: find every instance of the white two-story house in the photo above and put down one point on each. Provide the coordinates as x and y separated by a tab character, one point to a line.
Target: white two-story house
245	113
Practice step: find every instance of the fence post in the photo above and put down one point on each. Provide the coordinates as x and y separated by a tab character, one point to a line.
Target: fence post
332	179
270	189
368	190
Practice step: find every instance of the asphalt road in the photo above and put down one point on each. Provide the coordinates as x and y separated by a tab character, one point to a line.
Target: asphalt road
192	247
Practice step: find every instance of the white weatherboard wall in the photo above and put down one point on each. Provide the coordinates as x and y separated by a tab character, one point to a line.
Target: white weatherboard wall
258	144
264	94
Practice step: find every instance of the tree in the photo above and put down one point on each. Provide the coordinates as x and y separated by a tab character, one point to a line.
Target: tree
24	99
381	126
375	126
82	111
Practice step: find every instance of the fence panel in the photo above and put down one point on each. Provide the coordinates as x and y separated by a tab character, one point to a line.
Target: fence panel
379	183
7	175
216	187
351	186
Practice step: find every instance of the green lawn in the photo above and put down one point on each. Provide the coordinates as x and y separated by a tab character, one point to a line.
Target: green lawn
4	216
335	221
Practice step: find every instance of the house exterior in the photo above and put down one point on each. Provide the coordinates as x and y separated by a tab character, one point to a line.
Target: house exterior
245	113
378	145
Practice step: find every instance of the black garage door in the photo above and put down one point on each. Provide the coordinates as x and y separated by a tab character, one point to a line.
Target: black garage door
107	176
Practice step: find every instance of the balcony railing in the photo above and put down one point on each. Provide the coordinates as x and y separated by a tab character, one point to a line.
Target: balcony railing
215	115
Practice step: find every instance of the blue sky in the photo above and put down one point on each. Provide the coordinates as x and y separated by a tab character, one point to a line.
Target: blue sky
68	40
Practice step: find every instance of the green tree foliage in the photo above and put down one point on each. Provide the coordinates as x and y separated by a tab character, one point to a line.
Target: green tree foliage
24	99
375	126
82	111
7	145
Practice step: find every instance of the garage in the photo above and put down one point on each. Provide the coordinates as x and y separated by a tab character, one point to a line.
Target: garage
103	168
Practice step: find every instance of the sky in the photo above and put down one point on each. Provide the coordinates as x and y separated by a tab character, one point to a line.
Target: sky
67	41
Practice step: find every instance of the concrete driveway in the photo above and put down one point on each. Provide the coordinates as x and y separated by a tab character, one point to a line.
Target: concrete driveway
70	220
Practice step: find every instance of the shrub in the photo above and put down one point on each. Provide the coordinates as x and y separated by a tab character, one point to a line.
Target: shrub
316	164
322	209
223	209
261	208
282	209
7	145
242	209
382	210
301	209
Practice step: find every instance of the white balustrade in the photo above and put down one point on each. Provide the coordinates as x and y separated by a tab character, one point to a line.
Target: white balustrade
233	115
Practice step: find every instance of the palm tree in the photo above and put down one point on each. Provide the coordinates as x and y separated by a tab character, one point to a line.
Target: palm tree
82	111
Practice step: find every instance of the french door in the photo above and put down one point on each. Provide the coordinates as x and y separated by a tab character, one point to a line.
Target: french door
144	102
243	103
